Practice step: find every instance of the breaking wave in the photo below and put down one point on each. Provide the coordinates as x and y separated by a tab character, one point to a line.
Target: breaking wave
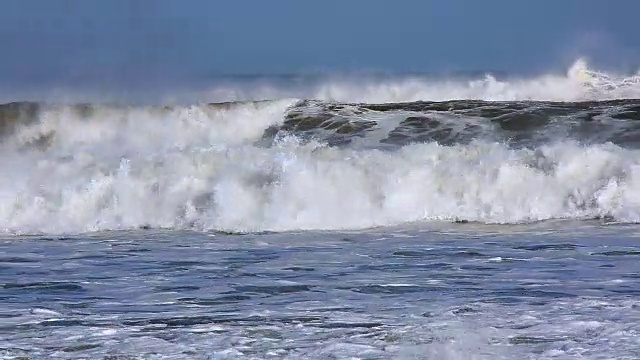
334	156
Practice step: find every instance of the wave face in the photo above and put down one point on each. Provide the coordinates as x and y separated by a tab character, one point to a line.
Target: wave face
350	156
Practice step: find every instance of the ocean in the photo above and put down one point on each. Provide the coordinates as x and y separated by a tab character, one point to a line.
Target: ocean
332	217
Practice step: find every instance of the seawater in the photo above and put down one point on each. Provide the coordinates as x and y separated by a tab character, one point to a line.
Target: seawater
403	218
465	291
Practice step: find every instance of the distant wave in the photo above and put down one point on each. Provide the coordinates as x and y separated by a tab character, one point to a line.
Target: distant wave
577	83
355	156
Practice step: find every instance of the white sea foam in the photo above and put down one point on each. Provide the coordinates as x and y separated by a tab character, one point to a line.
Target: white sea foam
294	186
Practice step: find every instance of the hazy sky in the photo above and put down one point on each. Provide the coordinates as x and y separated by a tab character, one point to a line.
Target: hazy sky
129	39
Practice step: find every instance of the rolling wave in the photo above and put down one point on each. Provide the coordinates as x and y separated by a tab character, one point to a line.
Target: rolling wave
388	125
328	161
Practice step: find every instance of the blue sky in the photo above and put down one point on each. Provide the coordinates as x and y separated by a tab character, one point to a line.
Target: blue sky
131	39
